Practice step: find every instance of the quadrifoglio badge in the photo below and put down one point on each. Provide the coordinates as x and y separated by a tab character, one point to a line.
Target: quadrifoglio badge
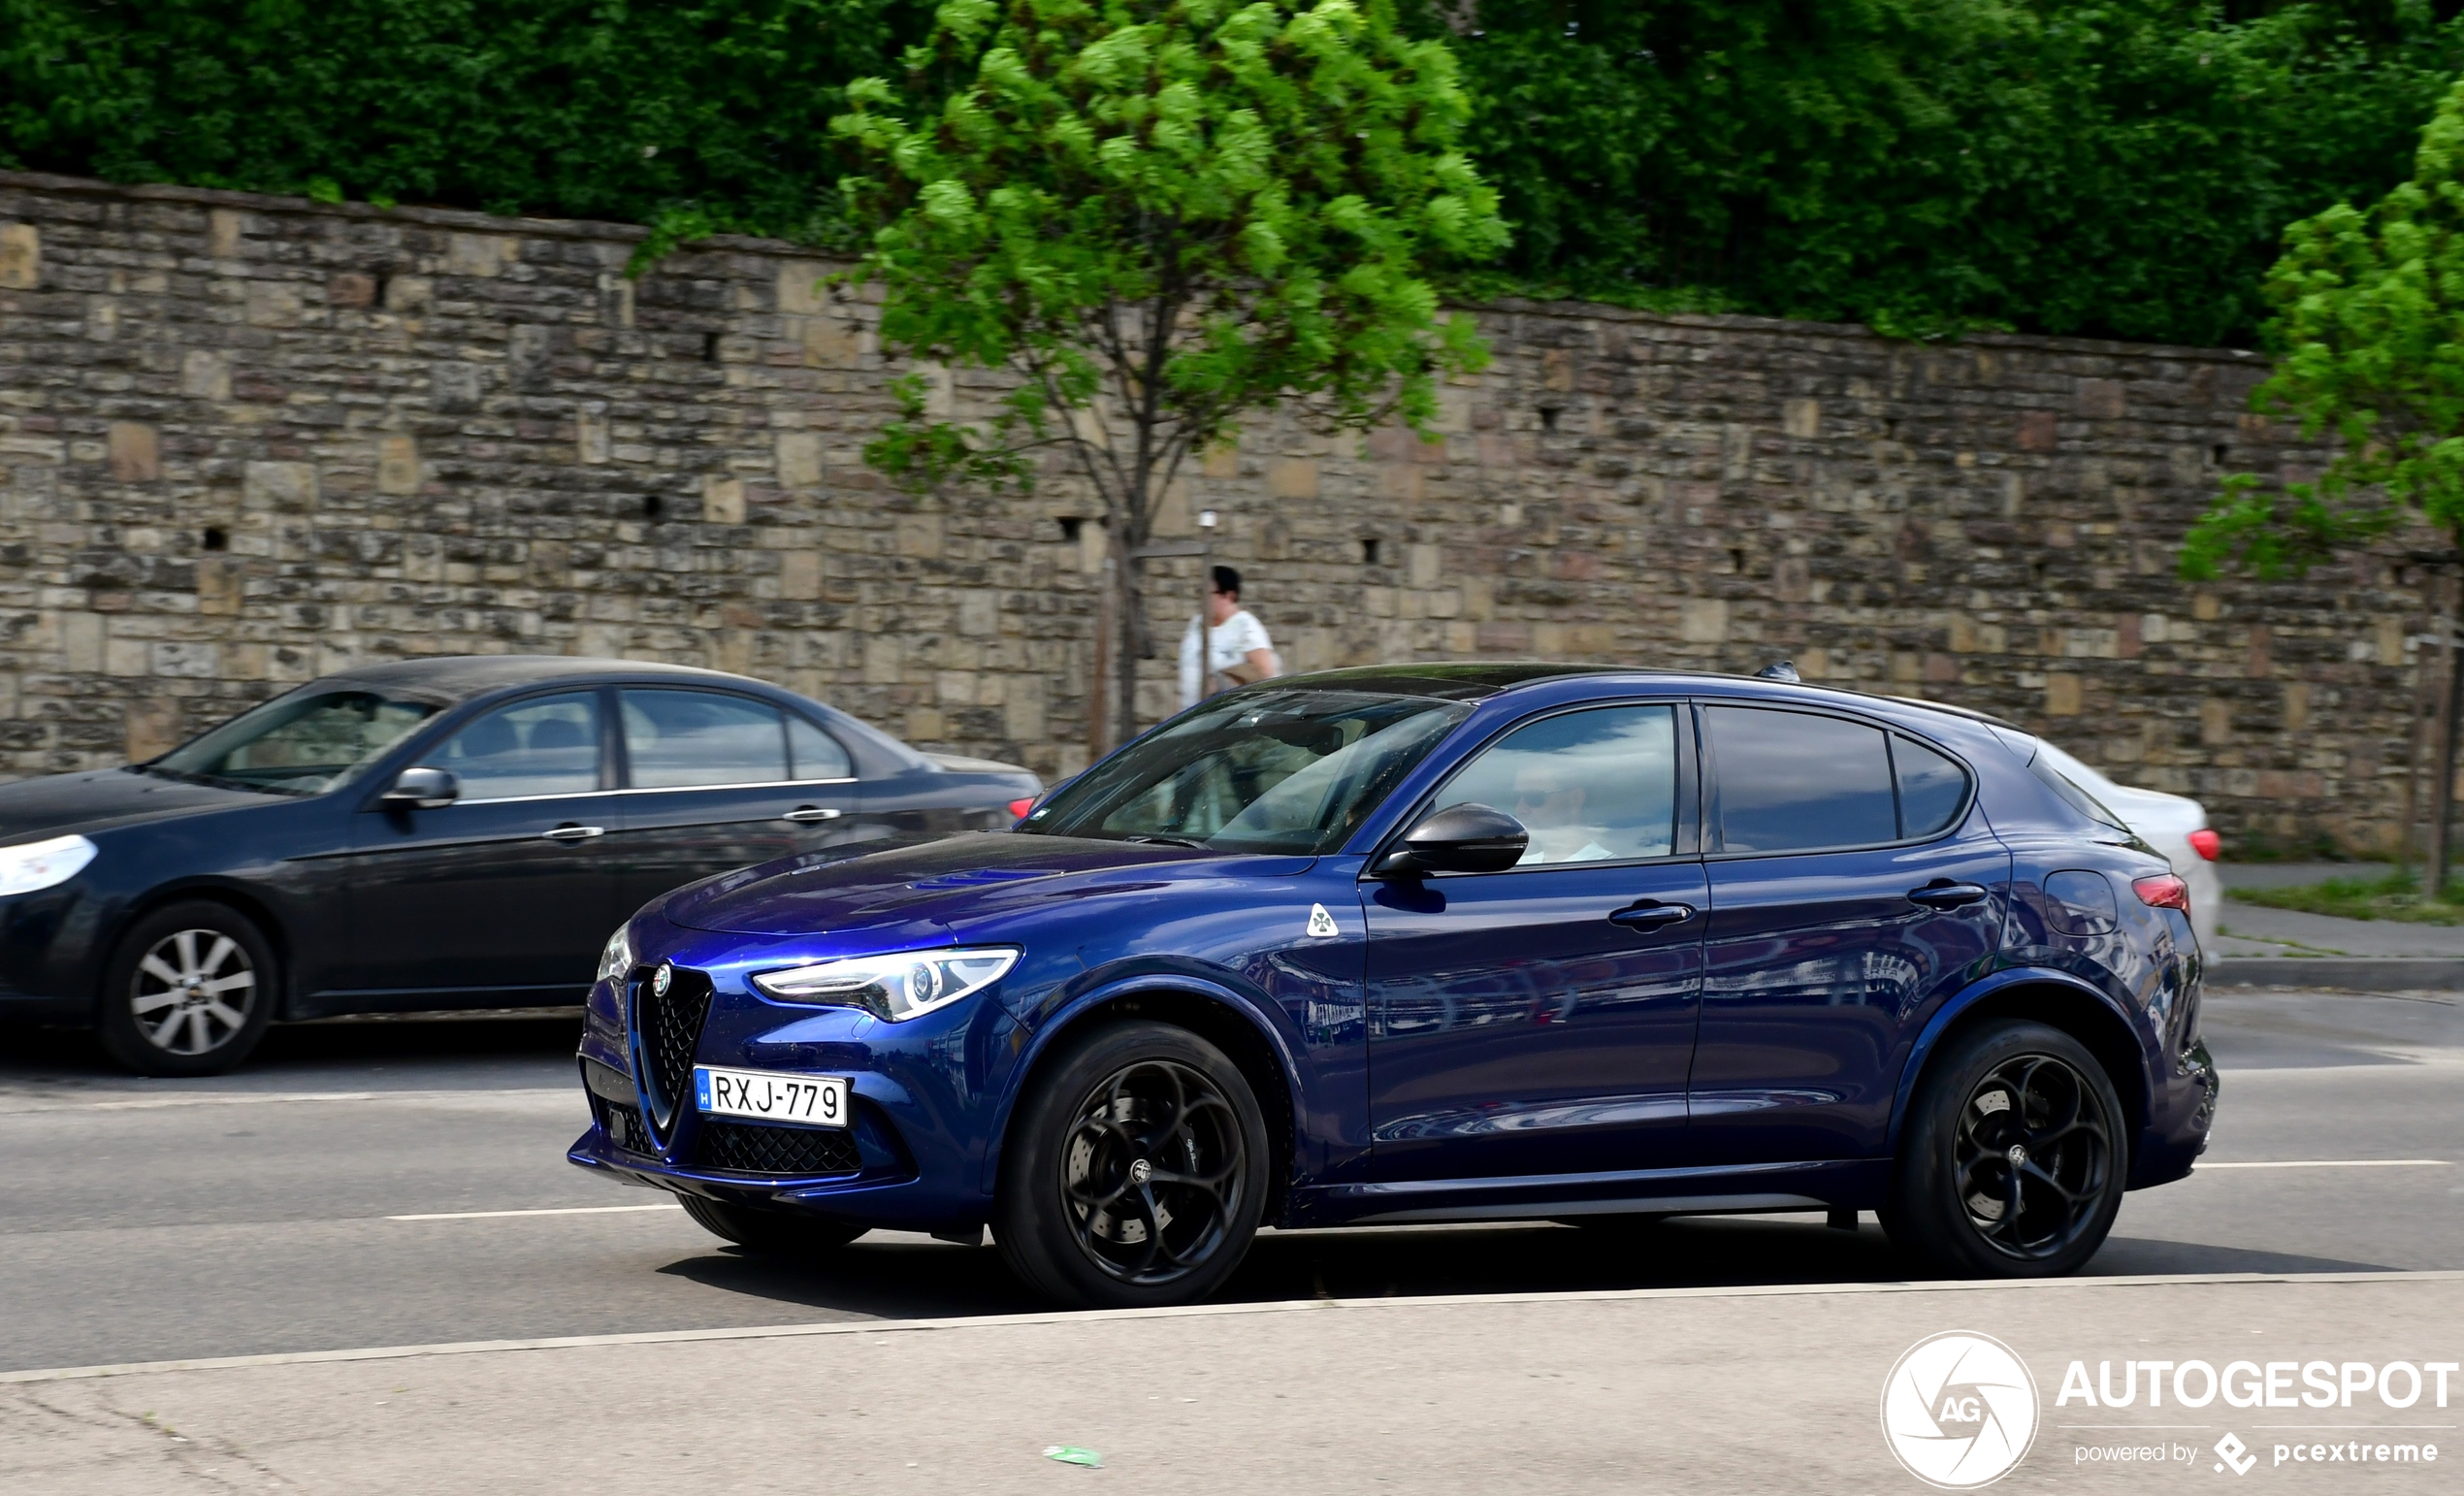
1960	1410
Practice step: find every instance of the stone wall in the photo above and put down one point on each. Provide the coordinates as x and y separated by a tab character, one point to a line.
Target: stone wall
245	441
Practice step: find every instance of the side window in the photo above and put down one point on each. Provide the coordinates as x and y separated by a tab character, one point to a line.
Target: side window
816	755
1931	788
548	745
1589	786
678	739
1794	782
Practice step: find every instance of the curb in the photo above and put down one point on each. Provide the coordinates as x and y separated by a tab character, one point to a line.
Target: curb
2354	974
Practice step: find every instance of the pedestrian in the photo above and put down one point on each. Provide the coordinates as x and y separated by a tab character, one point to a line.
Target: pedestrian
1241	651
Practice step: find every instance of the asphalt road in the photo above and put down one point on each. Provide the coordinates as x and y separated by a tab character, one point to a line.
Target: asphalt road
260	1212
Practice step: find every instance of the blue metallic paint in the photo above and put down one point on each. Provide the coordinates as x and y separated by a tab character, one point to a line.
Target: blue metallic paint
1101	923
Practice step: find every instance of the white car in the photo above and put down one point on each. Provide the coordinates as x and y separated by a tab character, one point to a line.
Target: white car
2175	825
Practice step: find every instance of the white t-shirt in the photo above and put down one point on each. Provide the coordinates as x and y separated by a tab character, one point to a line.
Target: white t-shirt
1233	639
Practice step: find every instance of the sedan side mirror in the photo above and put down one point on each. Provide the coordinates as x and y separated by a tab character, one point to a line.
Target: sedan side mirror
422	789
1470	837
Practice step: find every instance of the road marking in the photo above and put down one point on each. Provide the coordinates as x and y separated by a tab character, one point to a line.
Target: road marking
1195	1311
15	1104
567	1209
2336	1163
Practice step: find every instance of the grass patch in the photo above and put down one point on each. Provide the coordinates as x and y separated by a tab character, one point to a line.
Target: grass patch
2394	897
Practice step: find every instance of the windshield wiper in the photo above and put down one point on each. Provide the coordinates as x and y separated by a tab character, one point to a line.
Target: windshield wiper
1161	840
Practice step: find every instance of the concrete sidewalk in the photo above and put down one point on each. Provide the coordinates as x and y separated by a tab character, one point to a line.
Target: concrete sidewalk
1675	1391
2264	947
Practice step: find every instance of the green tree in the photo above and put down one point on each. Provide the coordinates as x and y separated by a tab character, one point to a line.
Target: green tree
1153	217
2369	335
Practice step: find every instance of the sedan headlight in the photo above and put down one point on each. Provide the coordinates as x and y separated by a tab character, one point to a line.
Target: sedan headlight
39	864
618	956
892	987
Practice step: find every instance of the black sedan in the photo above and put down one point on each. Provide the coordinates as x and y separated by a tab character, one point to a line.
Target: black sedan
425	836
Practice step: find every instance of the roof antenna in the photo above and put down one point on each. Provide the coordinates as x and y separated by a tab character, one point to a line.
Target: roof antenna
1778	669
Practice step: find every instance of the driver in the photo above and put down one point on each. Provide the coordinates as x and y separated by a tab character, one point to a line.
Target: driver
1549	802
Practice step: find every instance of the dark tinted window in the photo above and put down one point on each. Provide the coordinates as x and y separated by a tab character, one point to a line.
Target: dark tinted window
1588	786
674	739
547	745
1931	788
816	753
1791	781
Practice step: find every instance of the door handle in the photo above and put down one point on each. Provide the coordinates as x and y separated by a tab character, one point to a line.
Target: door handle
1652	915
1944	895
570	833
806	815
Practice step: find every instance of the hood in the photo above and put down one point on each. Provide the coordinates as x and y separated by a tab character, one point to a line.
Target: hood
942	883
33	809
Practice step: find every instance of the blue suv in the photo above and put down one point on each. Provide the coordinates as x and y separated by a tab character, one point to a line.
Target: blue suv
1434	943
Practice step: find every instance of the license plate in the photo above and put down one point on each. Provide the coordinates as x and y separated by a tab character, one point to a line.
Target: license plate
771	1095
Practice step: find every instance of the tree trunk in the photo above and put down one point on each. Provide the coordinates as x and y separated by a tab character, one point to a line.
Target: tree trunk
2443	755
1126	636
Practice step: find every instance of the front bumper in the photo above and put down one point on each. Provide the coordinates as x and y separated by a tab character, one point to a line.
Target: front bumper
923	1095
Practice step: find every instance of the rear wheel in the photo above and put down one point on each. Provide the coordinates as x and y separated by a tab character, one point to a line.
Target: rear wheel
771	1233
1134	1172
189	990
2013	1161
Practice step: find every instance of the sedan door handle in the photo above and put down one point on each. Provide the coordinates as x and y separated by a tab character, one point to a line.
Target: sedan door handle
570	833
1946	895
1652	915
806	815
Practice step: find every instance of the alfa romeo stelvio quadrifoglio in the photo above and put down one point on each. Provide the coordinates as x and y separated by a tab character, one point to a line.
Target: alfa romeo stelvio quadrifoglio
1434	943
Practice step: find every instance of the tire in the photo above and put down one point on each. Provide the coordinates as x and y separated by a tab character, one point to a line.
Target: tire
189	990
771	1233
1142	1115
2014	1158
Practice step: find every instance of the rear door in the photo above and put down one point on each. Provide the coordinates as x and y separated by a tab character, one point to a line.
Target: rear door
715	780
1853	887
1541	1020
504	896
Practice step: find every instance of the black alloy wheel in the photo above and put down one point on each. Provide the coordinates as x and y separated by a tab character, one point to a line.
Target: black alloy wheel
770	1233
2013	1160
1135	1170
189	990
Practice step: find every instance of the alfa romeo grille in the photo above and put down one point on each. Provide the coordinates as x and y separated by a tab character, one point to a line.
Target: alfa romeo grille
670	1034
753	1149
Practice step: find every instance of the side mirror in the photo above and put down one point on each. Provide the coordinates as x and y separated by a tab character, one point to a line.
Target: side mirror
1470	837
422	789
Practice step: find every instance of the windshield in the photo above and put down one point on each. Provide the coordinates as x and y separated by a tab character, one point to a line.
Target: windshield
303	743
2075	782
1278	771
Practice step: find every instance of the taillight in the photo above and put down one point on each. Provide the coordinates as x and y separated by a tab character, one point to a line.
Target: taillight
2206	843
1020	808
2163	890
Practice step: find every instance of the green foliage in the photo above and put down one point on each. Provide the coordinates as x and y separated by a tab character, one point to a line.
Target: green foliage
1164	212
2119	169
708	112
2369	330
2396	896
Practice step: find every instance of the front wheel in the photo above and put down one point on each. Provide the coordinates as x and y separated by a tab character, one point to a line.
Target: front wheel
1135	1170
2014	1158
189	990
771	1233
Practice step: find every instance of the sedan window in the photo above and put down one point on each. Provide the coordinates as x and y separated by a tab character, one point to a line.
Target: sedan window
1795	782
1589	786
1931	788
817	754
299	745
547	745
679	739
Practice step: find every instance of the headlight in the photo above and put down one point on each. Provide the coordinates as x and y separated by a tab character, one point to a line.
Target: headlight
39	864
892	987
618	958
